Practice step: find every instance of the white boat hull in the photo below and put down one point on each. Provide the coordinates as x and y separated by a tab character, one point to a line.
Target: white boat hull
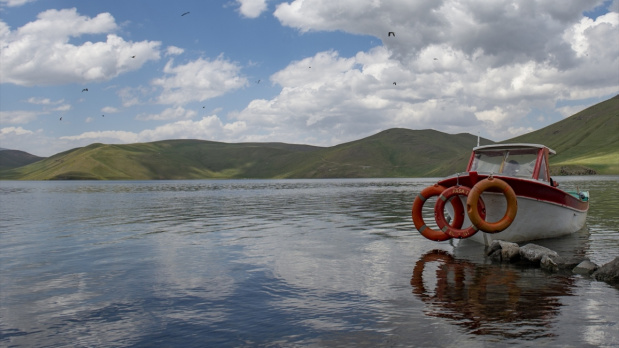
535	219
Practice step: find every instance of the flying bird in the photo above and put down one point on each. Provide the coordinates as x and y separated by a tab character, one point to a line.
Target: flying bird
85	90
258	81
435	58
184	14
391	33
61	119
102	115
132	56
394	84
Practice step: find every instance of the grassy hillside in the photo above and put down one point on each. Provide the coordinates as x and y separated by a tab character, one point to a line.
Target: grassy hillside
170	159
585	142
393	153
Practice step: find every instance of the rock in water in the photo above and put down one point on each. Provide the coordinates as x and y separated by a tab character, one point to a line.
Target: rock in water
609	272
534	253
585	268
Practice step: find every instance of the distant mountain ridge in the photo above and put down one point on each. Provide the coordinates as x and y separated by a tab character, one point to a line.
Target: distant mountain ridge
14	158
587	142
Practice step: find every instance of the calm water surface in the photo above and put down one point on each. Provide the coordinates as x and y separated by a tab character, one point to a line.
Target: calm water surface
321	263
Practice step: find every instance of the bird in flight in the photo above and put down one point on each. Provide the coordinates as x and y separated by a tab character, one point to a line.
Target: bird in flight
85	90
102	115
132	56
435	58
391	33
395	84
61	119
258	81
184	14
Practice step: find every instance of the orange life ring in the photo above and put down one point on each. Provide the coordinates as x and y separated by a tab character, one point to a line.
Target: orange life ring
421	226
439	212
474	196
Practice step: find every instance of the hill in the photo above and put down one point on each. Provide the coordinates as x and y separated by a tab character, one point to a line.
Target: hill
392	153
15	158
587	142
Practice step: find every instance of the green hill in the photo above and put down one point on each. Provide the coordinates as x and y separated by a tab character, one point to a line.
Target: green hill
14	158
587	142
392	153
169	159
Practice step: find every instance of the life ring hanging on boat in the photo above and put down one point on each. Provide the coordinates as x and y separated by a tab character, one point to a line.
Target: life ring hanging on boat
431	191
474	197
439	212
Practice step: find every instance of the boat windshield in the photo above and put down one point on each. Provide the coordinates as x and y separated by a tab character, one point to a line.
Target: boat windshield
511	162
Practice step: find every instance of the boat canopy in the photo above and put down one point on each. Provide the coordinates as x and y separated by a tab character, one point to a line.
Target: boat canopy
514	145
516	160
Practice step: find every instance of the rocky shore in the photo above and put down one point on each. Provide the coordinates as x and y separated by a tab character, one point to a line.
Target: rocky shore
549	260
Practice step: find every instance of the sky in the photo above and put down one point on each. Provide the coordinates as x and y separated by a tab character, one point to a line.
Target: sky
316	72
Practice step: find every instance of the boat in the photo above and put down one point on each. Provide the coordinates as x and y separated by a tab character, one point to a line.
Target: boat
505	194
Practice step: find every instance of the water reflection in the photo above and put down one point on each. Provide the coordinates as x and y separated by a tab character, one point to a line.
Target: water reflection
495	300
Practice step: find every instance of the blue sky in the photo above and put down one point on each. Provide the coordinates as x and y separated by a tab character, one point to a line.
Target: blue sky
317	72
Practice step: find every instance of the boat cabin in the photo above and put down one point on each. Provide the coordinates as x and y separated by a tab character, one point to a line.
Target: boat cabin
528	161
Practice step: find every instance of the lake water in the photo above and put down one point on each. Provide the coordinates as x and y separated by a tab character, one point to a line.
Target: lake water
281	263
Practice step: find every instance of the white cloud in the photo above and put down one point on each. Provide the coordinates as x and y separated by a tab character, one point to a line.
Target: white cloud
168	114
174	51
198	80
567	111
133	96
14	130
19	116
209	127
15	3
44	101
62	108
39	53
104	136
109	110
252	8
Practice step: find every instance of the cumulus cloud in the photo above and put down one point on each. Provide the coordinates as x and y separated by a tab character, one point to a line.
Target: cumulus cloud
168	114
15	3
39	53
109	110
105	136
14	130
174	51
19	116
131	96
208	127
252	8
44	101
198	80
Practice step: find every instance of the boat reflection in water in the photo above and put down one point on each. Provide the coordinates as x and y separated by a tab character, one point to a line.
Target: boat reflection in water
489	299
